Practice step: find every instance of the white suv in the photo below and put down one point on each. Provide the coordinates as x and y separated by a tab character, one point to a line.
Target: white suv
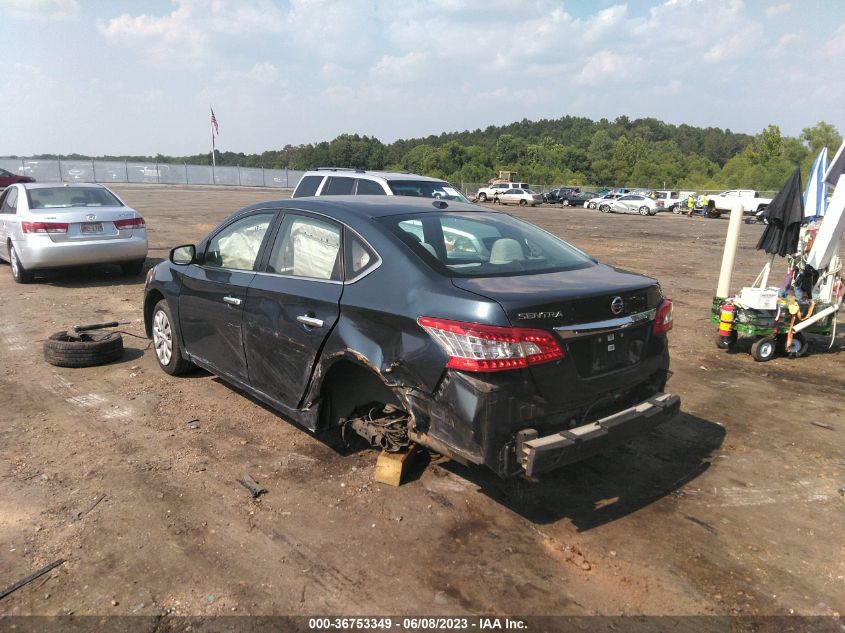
340	181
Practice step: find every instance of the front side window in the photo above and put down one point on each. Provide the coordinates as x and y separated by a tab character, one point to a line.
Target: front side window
236	247
306	247
484	244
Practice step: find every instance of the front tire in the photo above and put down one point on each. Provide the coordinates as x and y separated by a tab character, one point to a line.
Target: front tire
523	202
166	342
644	210
565	202
604	208
20	274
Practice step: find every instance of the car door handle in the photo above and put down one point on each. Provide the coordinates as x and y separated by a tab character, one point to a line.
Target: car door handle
232	301
309	321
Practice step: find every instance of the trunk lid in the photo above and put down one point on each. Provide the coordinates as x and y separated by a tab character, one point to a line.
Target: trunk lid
569	297
614	353
89	223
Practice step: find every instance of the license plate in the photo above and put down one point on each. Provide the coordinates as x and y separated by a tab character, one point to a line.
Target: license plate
91	227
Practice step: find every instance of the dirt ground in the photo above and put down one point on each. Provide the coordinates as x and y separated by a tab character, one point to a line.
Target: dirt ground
734	508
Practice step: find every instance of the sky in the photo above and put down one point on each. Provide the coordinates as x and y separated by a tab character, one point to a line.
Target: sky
119	77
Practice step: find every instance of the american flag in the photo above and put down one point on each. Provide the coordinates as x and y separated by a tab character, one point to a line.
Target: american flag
214	123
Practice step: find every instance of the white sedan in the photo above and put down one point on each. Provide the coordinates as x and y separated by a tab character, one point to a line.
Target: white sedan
45	226
522	197
634	203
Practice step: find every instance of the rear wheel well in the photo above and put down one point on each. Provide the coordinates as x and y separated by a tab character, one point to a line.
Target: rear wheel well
347	386
149	303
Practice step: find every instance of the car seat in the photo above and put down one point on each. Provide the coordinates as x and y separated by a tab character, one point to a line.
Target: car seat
506	250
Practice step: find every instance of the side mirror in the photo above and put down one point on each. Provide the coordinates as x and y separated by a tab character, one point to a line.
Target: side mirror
183	255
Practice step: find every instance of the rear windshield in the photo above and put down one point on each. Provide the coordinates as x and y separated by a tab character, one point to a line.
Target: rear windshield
425	189
65	197
485	244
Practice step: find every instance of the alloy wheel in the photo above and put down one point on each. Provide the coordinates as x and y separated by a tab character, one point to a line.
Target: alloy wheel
162	338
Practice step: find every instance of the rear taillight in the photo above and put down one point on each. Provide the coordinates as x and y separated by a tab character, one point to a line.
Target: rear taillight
486	348
131	223
663	320
44	227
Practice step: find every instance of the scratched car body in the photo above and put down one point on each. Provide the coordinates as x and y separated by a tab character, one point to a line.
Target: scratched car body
463	329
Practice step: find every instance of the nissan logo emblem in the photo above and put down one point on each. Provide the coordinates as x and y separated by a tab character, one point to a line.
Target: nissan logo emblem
616	305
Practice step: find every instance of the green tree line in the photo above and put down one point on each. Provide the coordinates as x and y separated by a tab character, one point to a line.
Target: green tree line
570	150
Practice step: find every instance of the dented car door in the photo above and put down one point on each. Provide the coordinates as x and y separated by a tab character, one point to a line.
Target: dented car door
292	305
213	293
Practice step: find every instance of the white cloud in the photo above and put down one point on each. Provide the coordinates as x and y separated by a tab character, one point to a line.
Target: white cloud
778	9
785	41
41	9
407	68
184	38
835	46
606	65
261	73
174	40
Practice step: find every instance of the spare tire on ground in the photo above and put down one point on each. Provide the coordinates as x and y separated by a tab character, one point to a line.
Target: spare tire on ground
87	350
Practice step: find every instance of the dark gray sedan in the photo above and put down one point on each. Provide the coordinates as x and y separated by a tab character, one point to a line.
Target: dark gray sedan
465	330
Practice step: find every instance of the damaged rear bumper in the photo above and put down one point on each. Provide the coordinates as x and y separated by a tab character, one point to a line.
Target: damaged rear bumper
537	455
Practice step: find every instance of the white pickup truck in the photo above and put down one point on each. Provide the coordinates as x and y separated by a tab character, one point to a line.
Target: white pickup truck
492	190
750	199
672	200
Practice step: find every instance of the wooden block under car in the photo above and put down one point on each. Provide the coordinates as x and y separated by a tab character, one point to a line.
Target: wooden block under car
390	467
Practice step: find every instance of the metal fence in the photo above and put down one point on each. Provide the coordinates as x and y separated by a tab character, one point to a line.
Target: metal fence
47	170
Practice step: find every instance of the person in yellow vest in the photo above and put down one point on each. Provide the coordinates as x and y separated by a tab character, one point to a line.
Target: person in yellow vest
705	202
690	205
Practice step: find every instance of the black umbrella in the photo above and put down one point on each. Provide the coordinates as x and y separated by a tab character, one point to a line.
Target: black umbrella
785	215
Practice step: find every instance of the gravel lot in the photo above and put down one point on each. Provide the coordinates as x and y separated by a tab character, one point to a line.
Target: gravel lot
735	508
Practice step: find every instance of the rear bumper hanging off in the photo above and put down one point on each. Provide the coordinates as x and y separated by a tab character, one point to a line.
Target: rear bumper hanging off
539	455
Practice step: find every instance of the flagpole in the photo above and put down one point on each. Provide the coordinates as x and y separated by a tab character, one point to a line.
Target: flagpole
213	158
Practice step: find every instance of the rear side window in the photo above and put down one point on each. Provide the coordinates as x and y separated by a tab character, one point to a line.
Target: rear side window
338	186
370	188
307	186
10	201
306	247
236	247
359	256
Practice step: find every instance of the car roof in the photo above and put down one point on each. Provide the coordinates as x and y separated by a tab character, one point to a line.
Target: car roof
349	208
387	175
